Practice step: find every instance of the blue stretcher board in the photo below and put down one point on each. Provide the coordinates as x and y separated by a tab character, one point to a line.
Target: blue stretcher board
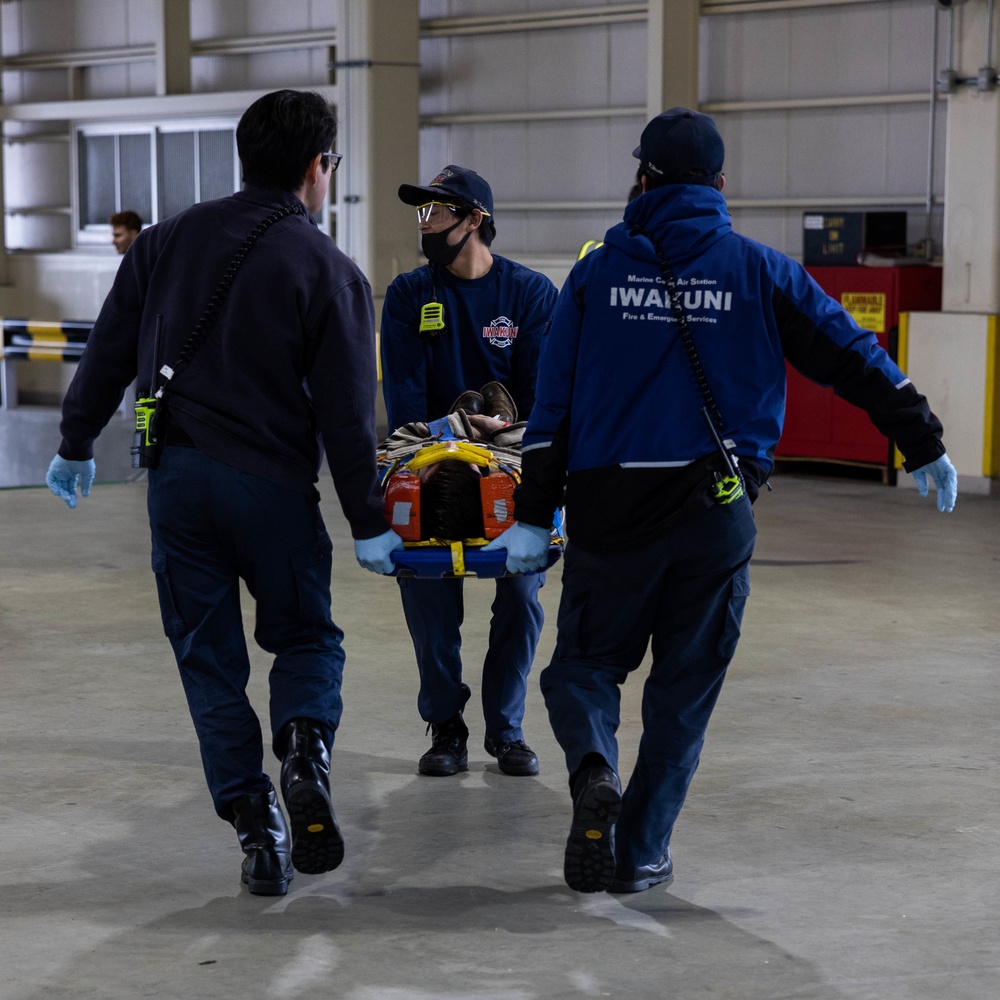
435	562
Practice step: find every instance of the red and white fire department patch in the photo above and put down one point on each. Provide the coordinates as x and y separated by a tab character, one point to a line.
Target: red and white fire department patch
501	332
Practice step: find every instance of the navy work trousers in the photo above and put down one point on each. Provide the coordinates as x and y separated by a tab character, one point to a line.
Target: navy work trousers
686	592
212	526
434	612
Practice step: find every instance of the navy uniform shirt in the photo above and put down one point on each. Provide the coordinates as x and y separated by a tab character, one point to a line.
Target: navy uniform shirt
290	358
493	331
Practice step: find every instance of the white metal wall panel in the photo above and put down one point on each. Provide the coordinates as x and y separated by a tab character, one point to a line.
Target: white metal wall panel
837	152
851	50
46	26
209	73
103	25
906	149
38	174
912	61
219	20
756	154
538	161
833	54
627	64
475	8
487	73
39	85
744	56
116	81
773	227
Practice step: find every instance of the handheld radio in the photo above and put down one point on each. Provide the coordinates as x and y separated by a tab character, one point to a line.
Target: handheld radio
146	440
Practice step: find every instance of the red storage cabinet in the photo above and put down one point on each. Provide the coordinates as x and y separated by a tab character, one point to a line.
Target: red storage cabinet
818	424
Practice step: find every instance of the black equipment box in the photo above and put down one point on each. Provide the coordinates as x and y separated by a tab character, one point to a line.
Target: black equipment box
839	238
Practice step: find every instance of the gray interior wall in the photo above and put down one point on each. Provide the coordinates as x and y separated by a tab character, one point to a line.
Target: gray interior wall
821	105
872	153
762	74
538	163
812	155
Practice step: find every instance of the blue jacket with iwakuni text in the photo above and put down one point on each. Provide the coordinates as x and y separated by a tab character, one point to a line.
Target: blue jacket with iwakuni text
615	387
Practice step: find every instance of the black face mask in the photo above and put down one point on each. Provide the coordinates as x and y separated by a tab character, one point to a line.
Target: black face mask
438	250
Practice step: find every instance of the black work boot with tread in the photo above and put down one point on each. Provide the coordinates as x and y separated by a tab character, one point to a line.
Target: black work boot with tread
514	757
317	843
589	864
449	752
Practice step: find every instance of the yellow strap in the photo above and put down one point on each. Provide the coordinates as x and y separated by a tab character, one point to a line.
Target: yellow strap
460	451
458	558
442	543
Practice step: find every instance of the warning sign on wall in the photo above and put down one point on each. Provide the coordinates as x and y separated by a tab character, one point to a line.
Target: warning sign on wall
867	308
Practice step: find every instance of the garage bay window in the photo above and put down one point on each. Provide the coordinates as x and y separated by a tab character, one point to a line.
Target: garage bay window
156	171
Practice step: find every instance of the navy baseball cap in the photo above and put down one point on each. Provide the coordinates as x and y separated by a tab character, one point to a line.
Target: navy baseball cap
682	146
452	184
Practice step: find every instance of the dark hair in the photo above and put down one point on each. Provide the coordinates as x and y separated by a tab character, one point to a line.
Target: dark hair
129	220
486	229
450	505
280	134
655	179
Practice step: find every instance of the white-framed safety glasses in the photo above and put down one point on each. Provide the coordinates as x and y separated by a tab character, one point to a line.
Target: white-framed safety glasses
425	211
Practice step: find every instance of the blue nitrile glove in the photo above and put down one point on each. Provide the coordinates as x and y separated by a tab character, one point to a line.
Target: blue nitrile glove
64	474
945	482
527	547
376	553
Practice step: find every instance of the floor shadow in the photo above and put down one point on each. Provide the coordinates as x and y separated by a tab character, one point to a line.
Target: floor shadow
451	890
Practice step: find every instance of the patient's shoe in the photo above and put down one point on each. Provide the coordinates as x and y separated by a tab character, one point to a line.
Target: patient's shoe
470	401
498	402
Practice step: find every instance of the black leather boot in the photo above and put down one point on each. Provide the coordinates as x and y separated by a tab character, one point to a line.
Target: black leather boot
260	826
449	751
589	862
317	844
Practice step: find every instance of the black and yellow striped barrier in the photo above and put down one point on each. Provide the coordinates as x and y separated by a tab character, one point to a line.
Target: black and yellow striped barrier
43	340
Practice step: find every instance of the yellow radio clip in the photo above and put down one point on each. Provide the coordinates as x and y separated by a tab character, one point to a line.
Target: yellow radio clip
431	318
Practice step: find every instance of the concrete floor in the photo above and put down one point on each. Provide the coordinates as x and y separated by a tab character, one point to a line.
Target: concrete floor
841	840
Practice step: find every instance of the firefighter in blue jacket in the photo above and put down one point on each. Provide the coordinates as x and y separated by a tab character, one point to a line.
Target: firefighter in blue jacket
660	528
467	318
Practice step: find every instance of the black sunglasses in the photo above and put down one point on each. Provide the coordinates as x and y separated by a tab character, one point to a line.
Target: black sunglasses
333	159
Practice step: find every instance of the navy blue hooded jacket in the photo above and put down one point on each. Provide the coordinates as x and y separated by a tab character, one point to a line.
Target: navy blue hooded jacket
617	408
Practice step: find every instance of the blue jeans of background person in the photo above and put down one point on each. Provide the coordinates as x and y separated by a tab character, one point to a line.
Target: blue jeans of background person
212	526
686	593
434	612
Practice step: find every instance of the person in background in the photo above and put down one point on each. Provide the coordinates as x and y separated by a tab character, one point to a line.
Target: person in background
662	445
468	317
232	494
125	227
